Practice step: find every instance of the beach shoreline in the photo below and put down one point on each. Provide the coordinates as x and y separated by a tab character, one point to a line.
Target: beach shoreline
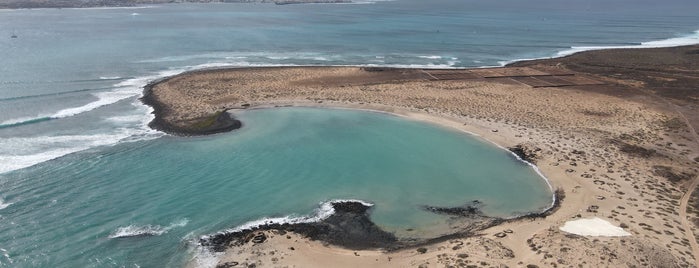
599	133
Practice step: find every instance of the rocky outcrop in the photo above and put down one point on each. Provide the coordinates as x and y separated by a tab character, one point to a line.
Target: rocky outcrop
525	152
217	122
349	227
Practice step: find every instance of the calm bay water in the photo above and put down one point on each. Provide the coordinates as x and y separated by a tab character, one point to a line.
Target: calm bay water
79	168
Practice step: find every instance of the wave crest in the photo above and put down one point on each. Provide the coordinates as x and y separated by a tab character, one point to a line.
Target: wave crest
146	230
3	205
686	40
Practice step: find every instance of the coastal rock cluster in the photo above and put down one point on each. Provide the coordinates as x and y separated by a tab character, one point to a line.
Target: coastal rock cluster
348	226
525	152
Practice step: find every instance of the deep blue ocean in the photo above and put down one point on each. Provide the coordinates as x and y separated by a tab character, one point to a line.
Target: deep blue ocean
81	174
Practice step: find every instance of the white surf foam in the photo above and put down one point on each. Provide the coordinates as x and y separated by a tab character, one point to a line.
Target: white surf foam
690	39
449	65
110	77
277	59
368	2
103	98
146	230
21	152
6	255
3	205
108	8
123	90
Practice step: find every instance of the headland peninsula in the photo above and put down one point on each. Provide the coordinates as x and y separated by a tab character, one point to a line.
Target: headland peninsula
614	130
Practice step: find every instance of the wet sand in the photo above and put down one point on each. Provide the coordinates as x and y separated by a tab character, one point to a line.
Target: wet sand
615	130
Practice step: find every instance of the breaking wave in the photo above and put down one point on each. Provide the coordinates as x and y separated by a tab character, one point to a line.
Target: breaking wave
146	230
690	39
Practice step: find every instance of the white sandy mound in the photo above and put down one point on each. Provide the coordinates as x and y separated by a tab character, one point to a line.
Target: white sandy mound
593	227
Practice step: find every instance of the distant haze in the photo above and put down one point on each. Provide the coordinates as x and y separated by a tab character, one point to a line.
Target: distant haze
126	3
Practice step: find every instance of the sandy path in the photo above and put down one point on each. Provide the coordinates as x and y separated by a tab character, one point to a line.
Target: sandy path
685	198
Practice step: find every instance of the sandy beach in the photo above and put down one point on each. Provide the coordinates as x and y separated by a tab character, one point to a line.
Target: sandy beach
614	129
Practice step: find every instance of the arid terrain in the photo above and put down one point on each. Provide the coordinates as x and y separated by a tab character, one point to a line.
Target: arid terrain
614	129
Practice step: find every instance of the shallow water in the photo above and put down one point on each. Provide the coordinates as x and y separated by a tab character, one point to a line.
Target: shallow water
96	206
79	167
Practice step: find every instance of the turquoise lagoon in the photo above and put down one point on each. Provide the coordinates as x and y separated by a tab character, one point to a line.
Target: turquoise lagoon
81	174
93	207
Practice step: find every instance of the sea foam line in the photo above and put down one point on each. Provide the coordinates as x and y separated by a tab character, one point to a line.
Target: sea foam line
22	152
272	59
686	40
123	90
146	230
3	205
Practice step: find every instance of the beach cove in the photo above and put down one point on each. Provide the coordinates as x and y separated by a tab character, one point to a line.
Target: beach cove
86	182
593	135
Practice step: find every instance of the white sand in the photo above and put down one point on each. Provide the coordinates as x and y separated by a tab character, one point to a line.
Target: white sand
593	227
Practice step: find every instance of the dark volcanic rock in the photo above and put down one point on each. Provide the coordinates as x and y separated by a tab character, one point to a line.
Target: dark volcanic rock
215	123
228	264
468	210
349	227
525	153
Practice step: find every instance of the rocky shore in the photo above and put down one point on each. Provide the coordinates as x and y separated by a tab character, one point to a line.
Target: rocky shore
350	227
216	122
613	130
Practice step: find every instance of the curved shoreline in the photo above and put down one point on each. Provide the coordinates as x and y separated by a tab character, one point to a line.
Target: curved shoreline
519	151
579	132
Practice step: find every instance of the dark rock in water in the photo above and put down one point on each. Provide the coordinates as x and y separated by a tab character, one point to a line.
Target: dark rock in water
468	210
228	264
137	235
350	207
559	195
525	153
349	227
